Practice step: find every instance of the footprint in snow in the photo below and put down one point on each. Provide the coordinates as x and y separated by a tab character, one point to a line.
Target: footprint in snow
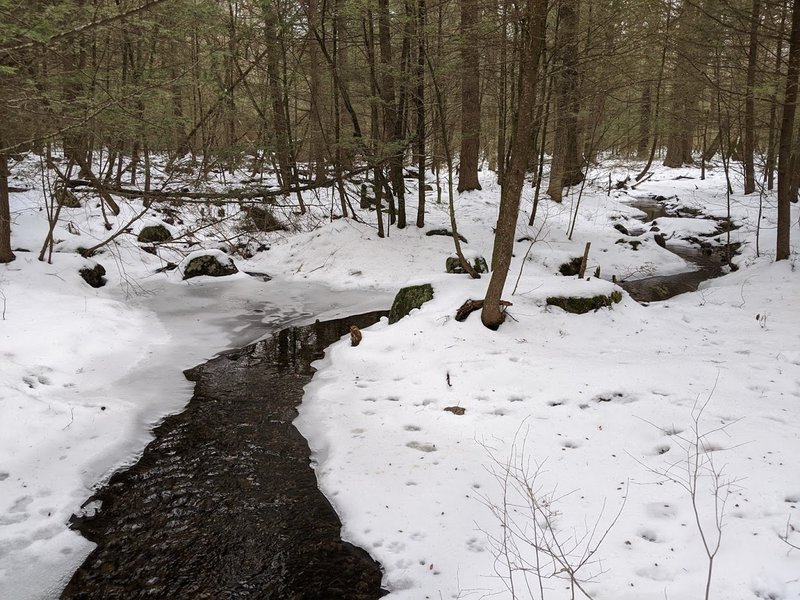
412	428
21	504
655	573
648	535
422	447
3	475
13	519
615	397
671	430
661	449
661	510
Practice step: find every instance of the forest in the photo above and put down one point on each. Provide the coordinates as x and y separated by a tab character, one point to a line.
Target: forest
208	207
316	94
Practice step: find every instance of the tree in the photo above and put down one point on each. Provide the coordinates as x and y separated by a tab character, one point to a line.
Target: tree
470	98
535	25
687	87
783	246
6	255
567	163
749	114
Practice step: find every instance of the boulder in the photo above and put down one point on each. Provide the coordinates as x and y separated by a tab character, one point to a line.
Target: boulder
573	267
94	276
66	198
262	219
154	233
621	228
453	265
212	265
409	298
583	304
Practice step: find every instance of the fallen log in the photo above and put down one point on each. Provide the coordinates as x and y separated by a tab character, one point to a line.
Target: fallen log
470	306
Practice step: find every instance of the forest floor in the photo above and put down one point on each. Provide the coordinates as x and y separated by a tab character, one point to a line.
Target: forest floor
593	451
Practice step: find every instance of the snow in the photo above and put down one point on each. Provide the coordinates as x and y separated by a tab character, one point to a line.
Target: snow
594	412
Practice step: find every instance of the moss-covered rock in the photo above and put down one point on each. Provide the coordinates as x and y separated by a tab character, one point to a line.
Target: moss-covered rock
66	198
409	298
209	264
263	219
453	265
634	244
154	233
583	304
94	276
573	267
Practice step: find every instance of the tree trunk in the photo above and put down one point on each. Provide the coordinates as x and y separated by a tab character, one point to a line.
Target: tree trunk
419	99
392	132
6	255
566	167
645	115
316	108
773	108
470	98
783	246
536	18
502	104
749	108
277	98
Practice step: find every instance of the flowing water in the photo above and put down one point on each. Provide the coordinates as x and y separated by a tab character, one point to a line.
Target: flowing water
223	503
709	262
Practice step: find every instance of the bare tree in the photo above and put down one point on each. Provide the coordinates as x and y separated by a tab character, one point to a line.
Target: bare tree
535	13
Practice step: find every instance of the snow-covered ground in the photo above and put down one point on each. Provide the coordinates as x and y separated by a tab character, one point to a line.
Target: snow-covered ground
576	428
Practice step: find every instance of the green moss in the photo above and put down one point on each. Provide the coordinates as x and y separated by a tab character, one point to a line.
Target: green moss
94	276
573	267
409	298
583	304
209	265
154	233
453	265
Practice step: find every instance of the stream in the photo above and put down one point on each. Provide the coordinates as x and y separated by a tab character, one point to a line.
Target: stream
709	262
224	503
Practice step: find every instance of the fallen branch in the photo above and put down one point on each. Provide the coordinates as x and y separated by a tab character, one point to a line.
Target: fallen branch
641	181
471	306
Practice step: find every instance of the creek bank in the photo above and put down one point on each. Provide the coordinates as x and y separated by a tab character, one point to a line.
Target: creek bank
223	502
709	256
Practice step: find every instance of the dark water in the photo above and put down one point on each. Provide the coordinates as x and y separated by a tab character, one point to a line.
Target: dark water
223	503
708	260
